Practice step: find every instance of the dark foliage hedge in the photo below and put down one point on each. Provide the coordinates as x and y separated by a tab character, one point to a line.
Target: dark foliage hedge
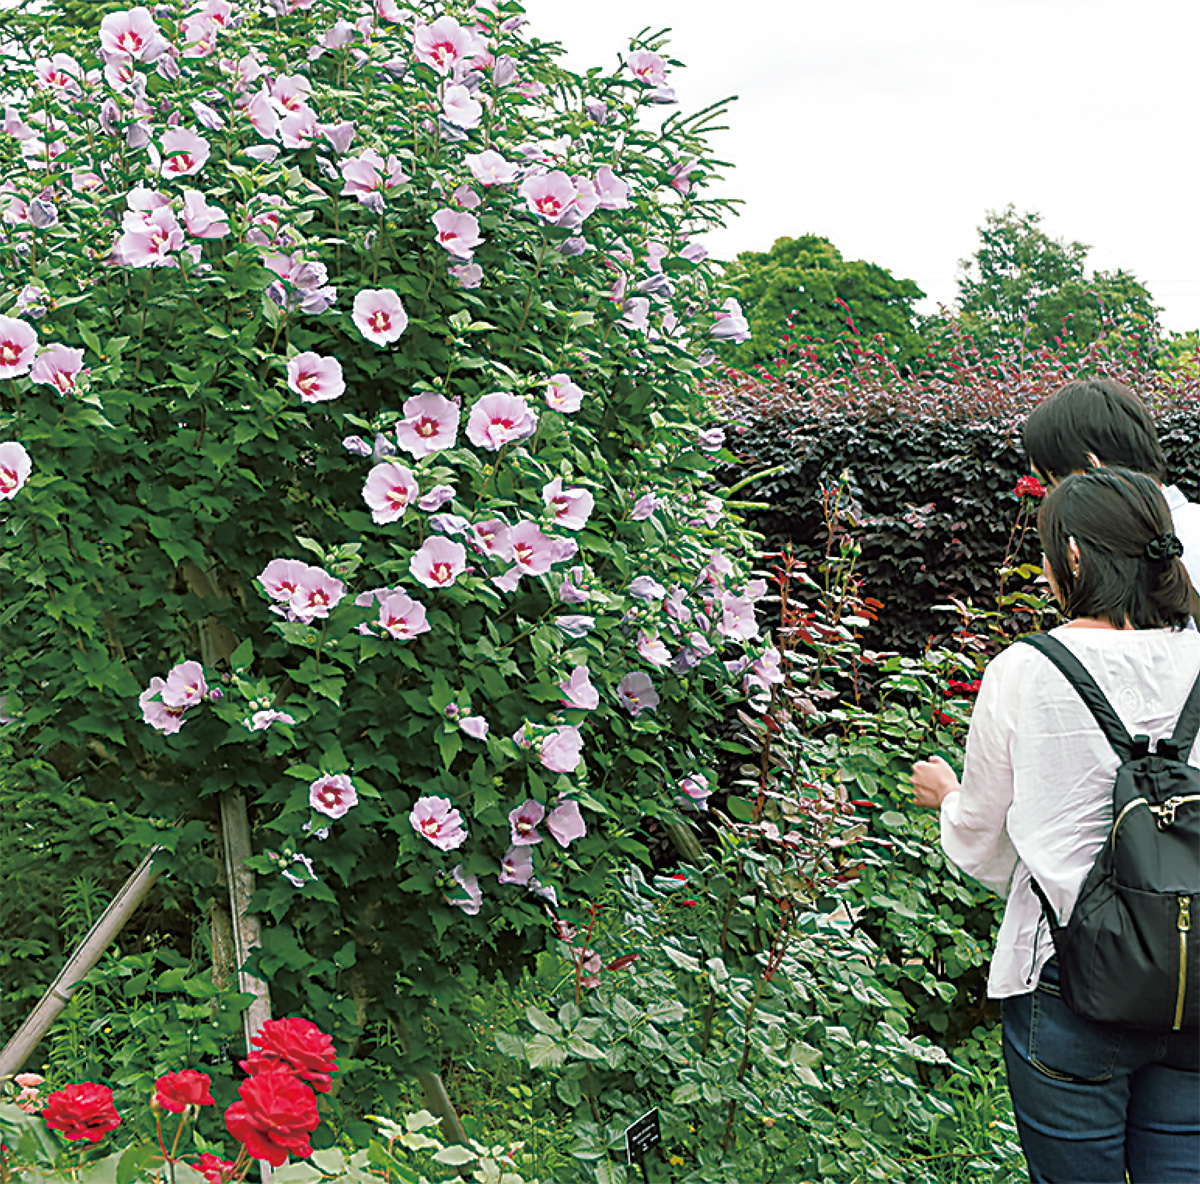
935	499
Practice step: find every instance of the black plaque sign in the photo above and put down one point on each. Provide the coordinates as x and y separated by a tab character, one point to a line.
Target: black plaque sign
641	1136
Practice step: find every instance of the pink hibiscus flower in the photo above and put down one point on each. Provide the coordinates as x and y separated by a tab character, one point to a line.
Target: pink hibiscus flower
651	647
430	424
314	378
369	174
437	820
185	685
498	419
332	795
389	490
566	824
490	168
491	538
132	34
637	694
18	344
58	367
548	195
532	551
184	153
439	562
465	893
523	821
737	618
562	750
281	577
648	67
731	324
571	506
317	594
379	315
517	866
457	232
443	44
611	192
563	395
402	617
149	240
460	108
15	467
201	219
156	713
579	691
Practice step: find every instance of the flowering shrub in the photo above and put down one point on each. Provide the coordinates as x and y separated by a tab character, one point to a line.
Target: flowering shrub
362	469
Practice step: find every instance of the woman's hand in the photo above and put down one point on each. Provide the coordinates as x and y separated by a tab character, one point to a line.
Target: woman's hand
932	780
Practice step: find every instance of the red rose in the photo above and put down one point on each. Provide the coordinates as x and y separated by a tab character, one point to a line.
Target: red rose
296	1046
1029	487
83	1111
189	1087
275	1117
213	1169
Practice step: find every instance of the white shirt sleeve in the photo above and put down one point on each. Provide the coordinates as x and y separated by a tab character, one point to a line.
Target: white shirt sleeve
974	835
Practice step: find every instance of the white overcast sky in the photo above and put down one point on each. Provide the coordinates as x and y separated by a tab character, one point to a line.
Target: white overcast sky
892	126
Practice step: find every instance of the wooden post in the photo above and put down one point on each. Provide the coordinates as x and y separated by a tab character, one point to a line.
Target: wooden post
86	955
217	643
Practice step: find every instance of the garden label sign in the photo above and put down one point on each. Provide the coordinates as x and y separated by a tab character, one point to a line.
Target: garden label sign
640	1137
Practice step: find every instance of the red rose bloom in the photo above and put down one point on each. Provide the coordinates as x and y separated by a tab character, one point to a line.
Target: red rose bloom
214	1169
297	1046
1029	487
275	1117
83	1111
189	1087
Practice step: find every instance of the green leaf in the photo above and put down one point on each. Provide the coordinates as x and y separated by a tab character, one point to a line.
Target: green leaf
543	1053
584	1048
455	1156
543	1022
449	745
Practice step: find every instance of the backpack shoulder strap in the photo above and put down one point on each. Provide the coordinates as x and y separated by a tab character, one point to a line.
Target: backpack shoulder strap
1186	729
1074	671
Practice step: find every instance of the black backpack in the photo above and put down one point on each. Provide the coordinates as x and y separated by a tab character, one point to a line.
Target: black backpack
1127	954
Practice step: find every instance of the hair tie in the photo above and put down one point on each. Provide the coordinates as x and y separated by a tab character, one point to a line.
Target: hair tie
1166	547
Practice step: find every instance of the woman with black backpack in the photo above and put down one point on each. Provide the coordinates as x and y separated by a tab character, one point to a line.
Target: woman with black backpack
1096	961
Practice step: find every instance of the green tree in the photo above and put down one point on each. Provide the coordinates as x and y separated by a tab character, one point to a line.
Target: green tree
808	278
1022	283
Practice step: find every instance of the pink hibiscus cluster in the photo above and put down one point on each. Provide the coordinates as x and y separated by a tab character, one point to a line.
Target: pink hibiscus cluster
165	702
152	234
56	366
301	592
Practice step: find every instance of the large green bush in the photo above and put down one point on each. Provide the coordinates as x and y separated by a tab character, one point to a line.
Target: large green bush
232	222
932	461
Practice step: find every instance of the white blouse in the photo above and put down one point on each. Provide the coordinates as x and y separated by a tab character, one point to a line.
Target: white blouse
1037	780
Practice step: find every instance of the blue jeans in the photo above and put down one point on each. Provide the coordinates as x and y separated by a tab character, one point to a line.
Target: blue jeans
1096	1100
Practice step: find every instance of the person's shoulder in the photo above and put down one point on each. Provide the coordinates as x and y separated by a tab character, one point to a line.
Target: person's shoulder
1012	663
1181	509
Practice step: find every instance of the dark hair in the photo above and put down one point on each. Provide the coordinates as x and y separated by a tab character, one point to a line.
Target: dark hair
1112	514
1096	415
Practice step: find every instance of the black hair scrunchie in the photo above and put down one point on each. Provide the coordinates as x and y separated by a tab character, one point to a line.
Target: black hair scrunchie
1164	548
